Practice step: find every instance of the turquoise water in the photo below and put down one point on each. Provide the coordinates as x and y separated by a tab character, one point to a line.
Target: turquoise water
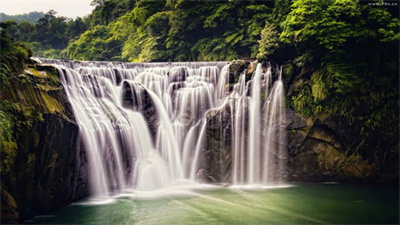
302	203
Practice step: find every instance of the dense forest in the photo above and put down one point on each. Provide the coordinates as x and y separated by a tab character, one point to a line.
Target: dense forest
144	30
48	36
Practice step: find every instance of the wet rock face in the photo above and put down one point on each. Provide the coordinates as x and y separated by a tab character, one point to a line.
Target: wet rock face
321	151
297	129
137	98
217	151
50	172
9	210
151	115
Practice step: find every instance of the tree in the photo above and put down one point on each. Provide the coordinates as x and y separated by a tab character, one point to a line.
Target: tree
269	41
51	30
13	55
11	28
75	28
26	29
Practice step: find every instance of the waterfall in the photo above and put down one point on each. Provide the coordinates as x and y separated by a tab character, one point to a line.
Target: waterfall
258	146
274	132
144	126
254	129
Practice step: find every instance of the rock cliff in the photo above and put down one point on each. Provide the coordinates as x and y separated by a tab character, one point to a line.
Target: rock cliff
45	169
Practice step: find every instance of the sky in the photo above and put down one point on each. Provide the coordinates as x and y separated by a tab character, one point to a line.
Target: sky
67	8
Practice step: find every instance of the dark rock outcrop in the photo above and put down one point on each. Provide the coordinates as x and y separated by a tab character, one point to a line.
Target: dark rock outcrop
324	151
9	208
49	170
217	151
318	155
137	98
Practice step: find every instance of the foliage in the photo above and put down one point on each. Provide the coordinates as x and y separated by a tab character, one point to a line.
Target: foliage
99	43
215	49
180	30
350	51
325	28
13	55
50	30
48	35
86	48
108	11
8	145
269	41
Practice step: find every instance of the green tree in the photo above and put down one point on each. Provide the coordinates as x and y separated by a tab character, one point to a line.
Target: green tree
50	31
75	28
269	41
11	28
13	54
26	29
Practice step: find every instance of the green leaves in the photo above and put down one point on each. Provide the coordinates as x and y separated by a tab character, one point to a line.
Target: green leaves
90	45
13	56
8	146
177	30
234	37
208	49
324	21
268	42
347	52
342	77
223	14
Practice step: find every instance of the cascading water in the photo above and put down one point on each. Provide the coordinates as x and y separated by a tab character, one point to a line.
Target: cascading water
143	125
258	133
